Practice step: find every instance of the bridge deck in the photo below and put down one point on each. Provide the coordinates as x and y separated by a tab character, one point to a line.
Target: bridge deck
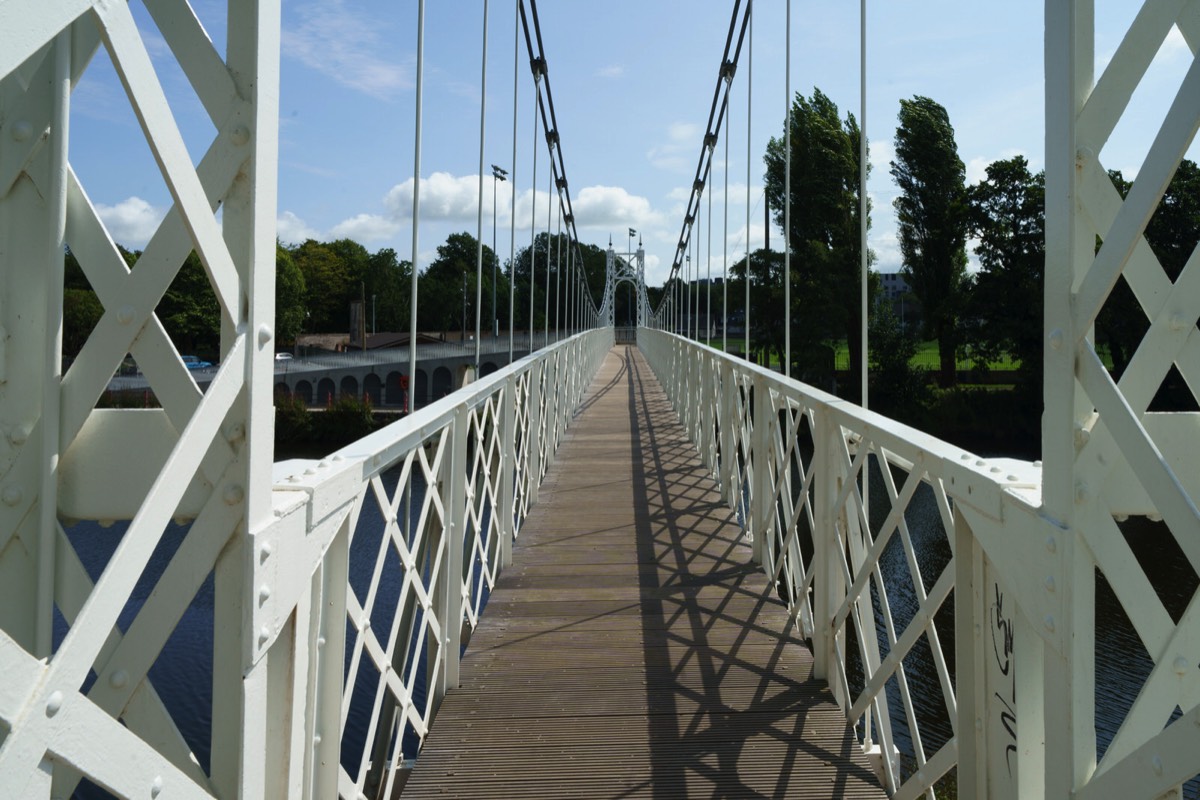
633	650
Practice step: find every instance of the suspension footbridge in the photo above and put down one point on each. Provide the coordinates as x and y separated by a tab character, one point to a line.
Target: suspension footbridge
636	569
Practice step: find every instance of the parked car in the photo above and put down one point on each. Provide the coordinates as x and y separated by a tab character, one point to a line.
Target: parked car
192	362
283	356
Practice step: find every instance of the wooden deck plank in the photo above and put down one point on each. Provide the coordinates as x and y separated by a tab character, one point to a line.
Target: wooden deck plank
633	650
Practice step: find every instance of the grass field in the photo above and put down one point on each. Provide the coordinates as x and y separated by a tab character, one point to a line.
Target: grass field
926	357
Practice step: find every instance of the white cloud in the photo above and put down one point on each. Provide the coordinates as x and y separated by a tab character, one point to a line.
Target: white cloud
679	151
131	222
611	71
367	228
443	197
342	44
603	207
290	229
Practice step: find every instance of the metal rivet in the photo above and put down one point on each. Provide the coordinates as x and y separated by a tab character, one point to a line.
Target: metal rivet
979	723
264	633
264	552
1084	155
21	131
1049	584
125	314
1177	322
239	135
965	456
265	334
234	494
54	703
1049	623
156	787
1082	436
118	679
320	641
980	463
1013	478
1181	665
1056	339
13	495
1154	517
264	594
19	435
1081	492
995	470
1157	765
317	739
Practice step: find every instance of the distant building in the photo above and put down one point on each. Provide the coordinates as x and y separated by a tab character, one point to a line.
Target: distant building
896	291
893	285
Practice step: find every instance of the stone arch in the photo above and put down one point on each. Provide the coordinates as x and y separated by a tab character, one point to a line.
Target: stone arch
488	368
393	392
373	388
304	391
326	389
283	390
443	382
421	394
348	387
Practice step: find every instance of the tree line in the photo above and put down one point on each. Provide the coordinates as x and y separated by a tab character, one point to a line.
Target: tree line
992	313
317	281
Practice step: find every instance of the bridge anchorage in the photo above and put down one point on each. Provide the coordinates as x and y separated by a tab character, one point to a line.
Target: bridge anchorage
182	615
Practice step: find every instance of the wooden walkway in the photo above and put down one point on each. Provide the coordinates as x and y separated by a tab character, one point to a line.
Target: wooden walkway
633	650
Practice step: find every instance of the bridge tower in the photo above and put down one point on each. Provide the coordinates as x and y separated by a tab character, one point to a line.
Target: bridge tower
630	268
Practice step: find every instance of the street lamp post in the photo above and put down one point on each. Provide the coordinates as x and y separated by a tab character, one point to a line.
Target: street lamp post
498	174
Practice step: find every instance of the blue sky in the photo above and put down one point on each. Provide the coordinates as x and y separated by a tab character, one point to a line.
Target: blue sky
632	83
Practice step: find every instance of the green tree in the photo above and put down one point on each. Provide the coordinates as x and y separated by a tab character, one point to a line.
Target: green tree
329	282
593	270
824	236
1007	215
190	312
388	287
289	296
446	289
931	219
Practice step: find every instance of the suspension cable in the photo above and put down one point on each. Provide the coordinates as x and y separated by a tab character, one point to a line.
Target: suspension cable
749	150
787	196
416	216
512	214
479	215
537	89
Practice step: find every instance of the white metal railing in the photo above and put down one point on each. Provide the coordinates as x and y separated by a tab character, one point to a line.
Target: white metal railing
401	536
870	576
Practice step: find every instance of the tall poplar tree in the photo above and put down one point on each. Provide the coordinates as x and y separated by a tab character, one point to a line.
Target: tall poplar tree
826	251
931	214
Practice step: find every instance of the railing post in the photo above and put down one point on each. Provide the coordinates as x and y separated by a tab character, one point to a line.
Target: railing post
829	581
450	579
759	525
970	666
728	432
534	429
707	406
508	465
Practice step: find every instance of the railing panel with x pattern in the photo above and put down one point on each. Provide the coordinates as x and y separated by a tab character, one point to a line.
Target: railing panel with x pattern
435	499
902	587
